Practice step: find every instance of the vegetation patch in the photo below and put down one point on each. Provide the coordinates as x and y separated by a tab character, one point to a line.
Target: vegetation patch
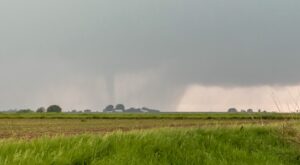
208	116
239	145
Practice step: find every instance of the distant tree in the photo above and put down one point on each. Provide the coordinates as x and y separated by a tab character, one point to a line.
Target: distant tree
41	110
133	110
74	111
259	110
250	110
243	111
87	111
120	107
54	108
232	110
150	110
25	111
109	108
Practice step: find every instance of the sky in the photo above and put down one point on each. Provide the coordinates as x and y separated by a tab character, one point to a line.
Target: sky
173	55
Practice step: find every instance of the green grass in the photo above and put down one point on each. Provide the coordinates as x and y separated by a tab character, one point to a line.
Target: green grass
211	146
150	116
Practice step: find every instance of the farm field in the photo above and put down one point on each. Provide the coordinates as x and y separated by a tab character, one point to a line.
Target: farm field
33	128
145	139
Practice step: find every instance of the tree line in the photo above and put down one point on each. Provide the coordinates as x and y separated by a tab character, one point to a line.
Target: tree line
234	110
120	108
50	109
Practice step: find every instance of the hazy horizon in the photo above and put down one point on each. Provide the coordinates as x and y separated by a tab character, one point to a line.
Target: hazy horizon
192	55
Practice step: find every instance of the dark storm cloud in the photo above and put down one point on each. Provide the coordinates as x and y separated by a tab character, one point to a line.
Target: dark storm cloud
235	43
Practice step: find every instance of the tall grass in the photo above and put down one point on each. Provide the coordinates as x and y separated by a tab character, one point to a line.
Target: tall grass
243	145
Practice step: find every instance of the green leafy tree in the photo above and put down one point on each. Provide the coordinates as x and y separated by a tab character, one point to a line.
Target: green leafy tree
54	108
109	108
41	110
232	110
120	107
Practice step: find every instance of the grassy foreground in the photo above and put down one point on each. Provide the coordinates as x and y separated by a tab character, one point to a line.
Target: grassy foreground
246	145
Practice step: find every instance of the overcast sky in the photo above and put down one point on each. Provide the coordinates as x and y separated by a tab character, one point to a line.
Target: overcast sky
90	53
